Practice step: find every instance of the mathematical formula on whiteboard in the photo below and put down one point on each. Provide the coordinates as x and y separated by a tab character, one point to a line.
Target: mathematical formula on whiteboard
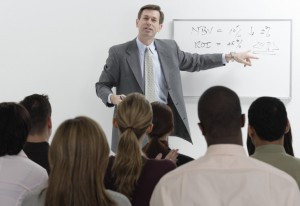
270	40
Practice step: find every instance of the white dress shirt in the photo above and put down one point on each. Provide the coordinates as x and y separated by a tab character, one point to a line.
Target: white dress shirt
18	177
226	176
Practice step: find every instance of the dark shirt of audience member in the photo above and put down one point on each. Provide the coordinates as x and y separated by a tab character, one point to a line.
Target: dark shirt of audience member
130	172
37	146
18	175
163	125
78	158
268	124
287	144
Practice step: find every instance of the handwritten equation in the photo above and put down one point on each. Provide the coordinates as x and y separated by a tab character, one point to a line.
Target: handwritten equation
236	36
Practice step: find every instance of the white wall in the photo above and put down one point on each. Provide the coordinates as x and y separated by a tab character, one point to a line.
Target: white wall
59	48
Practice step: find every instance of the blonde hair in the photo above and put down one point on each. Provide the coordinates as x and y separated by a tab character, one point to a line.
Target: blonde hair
78	158
133	116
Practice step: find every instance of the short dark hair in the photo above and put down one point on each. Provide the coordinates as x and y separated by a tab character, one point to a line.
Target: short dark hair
163	122
152	7
14	128
219	110
268	116
39	109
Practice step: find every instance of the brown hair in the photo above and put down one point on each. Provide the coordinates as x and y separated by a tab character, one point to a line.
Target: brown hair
152	7
14	128
78	159
163	124
39	109
133	116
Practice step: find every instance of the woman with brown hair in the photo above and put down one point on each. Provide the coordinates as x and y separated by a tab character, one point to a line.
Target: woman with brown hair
78	158
130	172
163	125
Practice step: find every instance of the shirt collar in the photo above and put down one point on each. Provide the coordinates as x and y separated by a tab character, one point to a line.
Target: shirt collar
226	149
270	148
22	154
142	47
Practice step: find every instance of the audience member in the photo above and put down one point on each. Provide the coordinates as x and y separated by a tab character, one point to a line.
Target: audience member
225	175
37	146
268	124
129	172
78	158
163	125
18	174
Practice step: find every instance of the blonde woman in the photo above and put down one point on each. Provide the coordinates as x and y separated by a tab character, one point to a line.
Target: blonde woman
130	172
78	158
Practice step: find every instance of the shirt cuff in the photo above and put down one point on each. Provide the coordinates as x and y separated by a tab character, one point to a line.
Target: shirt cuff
108	99
223	59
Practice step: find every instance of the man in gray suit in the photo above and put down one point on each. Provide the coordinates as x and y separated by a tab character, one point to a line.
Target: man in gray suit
124	69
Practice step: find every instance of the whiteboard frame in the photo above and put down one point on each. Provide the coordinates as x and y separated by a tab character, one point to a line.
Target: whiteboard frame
285	99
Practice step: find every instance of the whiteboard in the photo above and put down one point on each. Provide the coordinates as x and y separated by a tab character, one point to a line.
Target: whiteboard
270	40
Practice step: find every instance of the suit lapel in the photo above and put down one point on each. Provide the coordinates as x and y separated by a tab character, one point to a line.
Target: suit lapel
164	60
134	62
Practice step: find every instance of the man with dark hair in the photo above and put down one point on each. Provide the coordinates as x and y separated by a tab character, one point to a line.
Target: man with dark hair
18	175
37	146
225	175
152	67
268	123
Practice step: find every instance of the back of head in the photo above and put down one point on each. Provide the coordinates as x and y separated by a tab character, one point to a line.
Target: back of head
78	158
219	112
163	124
133	117
14	128
134	113
268	116
39	109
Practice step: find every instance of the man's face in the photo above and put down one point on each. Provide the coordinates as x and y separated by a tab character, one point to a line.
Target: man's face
148	24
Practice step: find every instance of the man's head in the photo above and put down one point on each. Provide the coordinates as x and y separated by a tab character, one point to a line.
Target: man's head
149	22
14	128
152	7
267	119
39	109
220	116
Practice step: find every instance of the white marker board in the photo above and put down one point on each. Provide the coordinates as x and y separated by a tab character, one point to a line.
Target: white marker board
270	40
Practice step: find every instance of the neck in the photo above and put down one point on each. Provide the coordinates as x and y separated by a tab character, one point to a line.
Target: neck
146	41
38	138
224	140
261	142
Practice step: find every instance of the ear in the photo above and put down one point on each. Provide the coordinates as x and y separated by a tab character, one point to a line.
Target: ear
160	27
136	22
149	129
243	120
251	132
288	127
49	123
201	128
115	123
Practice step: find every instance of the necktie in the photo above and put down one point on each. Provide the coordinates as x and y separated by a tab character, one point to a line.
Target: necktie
149	77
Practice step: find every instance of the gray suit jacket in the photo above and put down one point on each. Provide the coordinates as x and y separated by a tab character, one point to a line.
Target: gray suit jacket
122	71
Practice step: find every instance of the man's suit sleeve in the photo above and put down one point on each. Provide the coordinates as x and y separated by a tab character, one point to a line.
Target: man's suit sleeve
196	62
109	77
